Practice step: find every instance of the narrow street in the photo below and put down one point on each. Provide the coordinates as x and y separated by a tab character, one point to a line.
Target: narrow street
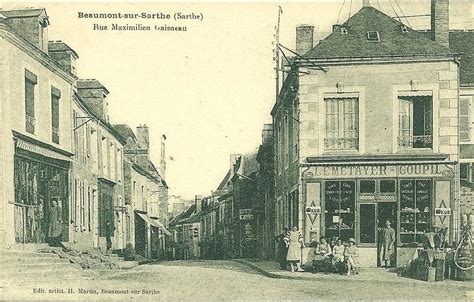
218	280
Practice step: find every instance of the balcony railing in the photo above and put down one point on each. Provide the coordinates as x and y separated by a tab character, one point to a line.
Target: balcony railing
341	143
30	124
416	141
55	135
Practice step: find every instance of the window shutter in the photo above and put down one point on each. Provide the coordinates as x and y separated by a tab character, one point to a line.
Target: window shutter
464	127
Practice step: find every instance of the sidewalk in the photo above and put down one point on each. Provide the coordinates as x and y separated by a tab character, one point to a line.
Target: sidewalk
271	269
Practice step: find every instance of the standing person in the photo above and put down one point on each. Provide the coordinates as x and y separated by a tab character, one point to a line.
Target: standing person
55	223
294	242
380	228
388	242
282	249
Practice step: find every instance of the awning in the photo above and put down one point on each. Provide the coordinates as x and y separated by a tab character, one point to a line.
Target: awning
153	222
162	227
27	146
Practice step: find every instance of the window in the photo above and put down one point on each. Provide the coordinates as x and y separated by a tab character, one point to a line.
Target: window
339	198
464	121
464	171
55	96
387	186
30	83
373	36
76	136
367	223
344	31
415	210
415	122
295	130
341	124
367	186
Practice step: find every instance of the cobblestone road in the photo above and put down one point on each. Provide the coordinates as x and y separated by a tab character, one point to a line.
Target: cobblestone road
217	280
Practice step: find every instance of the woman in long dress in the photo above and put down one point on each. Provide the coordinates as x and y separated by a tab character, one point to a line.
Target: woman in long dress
294	241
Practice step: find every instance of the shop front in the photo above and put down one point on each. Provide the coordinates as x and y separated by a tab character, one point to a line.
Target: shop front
41	213
355	200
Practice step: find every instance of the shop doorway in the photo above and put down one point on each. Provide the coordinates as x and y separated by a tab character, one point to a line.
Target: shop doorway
386	211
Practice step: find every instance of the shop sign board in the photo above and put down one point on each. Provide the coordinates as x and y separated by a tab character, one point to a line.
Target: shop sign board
313	210
367	170
443	211
245	214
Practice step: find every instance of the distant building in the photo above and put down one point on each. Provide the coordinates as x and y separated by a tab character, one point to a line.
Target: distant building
264	207
145	192
186	233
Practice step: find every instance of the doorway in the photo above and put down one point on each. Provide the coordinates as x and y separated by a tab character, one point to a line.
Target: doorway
386	211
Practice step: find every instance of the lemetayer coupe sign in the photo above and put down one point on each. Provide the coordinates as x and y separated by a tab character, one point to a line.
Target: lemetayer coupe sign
400	170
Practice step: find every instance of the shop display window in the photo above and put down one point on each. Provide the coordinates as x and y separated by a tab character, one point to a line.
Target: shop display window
339	209
415	210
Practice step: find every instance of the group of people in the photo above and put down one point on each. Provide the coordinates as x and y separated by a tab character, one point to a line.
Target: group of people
342	258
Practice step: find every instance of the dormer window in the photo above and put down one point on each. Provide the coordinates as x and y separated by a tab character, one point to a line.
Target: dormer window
344	31
404	29
373	36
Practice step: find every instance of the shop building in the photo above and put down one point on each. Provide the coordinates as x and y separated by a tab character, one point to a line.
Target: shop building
35	132
366	130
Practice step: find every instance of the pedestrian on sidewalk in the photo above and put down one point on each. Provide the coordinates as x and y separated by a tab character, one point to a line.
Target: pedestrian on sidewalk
282	249
294	242
388	242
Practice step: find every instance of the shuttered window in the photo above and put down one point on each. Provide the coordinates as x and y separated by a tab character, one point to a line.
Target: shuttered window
342	120
464	121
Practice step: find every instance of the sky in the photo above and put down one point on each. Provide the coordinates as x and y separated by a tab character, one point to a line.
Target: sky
210	89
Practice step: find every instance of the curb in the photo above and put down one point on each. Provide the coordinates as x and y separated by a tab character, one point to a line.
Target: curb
415	282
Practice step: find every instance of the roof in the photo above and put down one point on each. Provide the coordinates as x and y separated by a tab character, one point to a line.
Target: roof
224	181
393	41
461	42
24	13
106	124
90	84
59	46
125	131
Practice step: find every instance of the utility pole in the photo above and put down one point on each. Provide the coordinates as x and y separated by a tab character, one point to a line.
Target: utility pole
276	56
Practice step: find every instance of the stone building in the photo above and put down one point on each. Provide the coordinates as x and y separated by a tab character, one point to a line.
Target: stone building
366	130
35	132
145	194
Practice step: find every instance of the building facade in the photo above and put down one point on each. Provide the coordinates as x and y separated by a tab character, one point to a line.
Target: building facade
145	194
264	208
366	130
35	132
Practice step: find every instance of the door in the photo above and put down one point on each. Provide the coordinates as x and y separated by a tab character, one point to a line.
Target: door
386	211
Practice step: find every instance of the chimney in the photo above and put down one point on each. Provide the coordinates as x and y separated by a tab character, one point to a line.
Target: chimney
440	22
366	3
198	201
31	24
267	132
304	38
143	138
64	55
233	160
94	94
163	157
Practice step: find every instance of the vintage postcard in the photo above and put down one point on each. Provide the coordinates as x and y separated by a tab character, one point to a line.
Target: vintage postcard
319	150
